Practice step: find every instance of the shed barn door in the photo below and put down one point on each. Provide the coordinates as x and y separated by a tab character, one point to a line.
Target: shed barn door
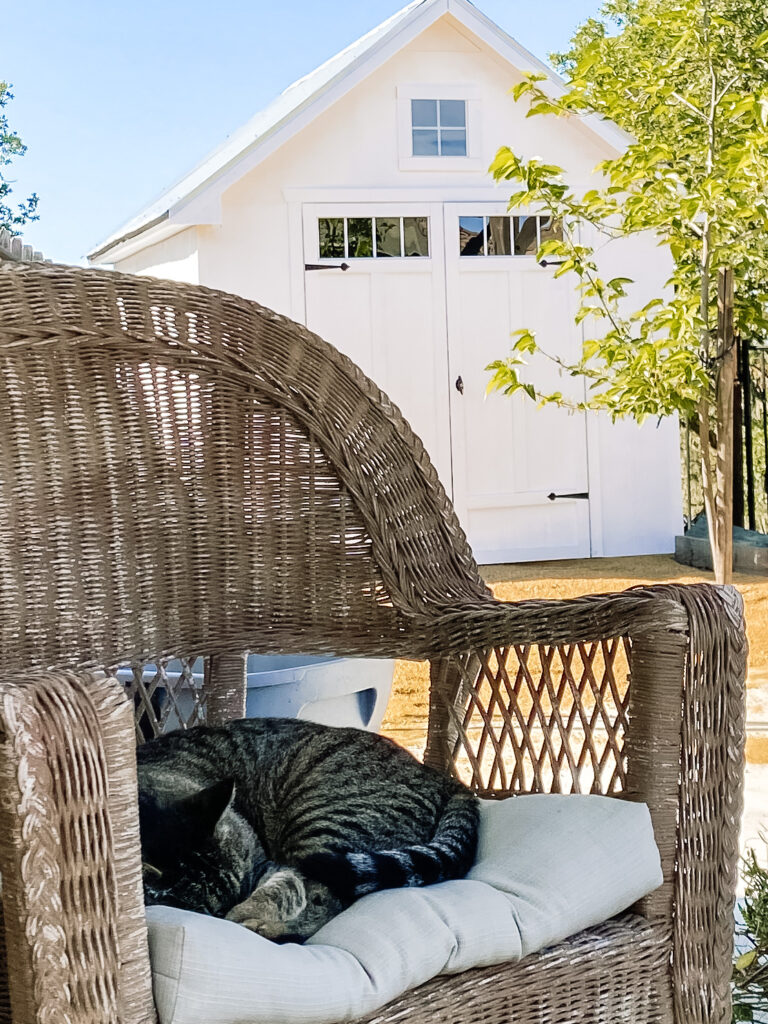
386	309
520	472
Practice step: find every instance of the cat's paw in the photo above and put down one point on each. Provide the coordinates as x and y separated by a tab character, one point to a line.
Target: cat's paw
286	907
280	895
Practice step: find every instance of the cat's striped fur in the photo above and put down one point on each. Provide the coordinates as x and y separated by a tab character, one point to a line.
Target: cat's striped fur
316	818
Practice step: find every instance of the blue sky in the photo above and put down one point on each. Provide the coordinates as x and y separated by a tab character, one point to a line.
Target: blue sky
115	101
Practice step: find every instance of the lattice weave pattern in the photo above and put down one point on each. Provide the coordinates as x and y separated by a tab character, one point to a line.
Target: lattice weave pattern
545	718
166	694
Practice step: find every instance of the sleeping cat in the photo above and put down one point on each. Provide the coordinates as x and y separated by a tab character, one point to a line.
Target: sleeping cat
279	824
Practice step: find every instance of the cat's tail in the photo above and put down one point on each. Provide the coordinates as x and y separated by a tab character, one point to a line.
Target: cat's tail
449	854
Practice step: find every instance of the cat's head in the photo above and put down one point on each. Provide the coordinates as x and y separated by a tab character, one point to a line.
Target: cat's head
197	852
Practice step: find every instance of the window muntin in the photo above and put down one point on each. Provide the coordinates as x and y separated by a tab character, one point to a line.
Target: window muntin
372	237
505	236
439	127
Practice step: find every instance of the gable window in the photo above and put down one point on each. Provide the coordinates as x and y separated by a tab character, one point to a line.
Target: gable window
439	127
372	237
505	236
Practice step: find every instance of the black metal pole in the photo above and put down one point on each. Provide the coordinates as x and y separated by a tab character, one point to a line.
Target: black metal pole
738	449
688	467
746	391
765	432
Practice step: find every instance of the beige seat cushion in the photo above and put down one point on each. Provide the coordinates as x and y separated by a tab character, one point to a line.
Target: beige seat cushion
547	867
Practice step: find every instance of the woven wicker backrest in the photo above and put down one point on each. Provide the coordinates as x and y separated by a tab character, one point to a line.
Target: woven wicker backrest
183	470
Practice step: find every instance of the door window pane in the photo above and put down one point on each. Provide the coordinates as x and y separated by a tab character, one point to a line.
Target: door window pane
424	113
331	231
526	242
453	114
453	142
550	228
471	236
388	236
425	142
499	240
416	236
360	237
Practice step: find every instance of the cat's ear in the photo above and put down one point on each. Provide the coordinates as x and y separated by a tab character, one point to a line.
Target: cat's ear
205	807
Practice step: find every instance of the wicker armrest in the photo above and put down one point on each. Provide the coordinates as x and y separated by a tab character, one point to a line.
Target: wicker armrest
675	732
69	854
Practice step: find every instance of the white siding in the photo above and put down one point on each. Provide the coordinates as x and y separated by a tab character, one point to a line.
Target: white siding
175	258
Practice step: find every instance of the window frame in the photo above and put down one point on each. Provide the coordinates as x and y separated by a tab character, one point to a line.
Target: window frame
375	258
470	94
511	216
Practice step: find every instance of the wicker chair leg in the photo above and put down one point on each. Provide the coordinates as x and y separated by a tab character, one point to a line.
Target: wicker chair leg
225	687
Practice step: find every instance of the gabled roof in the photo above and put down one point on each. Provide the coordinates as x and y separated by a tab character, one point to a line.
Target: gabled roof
194	199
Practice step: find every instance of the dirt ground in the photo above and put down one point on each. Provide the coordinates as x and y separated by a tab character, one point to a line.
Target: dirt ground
406	716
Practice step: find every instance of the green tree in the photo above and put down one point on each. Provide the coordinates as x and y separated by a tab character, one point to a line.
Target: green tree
689	80
11	146
750	969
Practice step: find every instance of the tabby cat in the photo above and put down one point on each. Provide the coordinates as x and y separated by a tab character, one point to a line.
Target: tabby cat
279	824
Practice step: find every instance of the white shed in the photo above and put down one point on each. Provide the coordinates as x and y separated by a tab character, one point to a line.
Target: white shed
359	203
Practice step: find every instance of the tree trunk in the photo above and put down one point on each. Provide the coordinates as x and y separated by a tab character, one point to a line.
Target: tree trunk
719	493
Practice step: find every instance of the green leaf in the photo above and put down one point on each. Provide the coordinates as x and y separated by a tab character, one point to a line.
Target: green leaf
526	342
590	348
745	960
617	282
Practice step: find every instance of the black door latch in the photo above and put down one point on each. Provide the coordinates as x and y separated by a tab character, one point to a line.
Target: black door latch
582	495
460	385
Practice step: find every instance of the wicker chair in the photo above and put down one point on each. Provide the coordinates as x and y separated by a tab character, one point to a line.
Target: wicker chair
184	473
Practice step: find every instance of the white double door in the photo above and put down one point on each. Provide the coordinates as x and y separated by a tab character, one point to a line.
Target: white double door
424	328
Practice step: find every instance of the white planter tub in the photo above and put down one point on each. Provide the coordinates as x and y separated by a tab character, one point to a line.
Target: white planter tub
334	691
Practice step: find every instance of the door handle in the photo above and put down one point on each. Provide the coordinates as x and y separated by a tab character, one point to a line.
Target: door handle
581	495
326	266
460	385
